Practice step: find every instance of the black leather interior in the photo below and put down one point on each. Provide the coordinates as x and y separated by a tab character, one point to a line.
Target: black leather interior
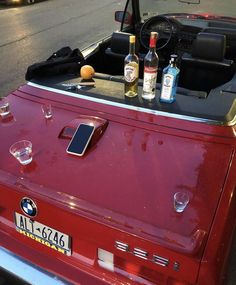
206	68
119	45
209	46
120	42
118	50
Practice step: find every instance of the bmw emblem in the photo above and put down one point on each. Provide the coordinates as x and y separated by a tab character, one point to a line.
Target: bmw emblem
28	207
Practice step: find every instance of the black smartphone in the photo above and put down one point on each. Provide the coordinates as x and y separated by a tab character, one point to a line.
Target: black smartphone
80	139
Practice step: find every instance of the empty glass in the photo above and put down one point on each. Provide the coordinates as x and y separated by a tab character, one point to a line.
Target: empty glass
181	200
47	111
4	107
22	151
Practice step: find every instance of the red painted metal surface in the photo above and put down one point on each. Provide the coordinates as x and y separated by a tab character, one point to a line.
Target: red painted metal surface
121	190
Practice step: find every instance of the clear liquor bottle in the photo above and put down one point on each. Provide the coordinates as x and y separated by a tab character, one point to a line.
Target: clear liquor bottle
131	70
151	61
170	79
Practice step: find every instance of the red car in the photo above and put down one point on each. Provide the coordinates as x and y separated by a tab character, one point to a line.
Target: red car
106	215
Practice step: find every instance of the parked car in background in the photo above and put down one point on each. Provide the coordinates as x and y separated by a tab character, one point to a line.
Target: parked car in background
106	215
10	2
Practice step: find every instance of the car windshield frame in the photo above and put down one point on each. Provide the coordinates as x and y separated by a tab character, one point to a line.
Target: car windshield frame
217	9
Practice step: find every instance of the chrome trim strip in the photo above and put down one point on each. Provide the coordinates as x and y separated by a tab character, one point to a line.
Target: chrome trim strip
135	108
26	271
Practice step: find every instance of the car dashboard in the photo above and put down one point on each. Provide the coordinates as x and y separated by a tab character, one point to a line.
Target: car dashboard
185	30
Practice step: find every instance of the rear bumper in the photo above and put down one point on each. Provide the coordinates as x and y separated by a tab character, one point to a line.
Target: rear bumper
27	272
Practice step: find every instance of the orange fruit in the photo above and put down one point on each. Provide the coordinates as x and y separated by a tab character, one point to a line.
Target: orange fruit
87	72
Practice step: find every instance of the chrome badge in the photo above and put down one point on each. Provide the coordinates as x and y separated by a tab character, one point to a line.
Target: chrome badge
28	207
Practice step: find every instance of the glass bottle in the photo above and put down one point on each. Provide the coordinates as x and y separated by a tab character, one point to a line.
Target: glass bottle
170	78
151	61
131	70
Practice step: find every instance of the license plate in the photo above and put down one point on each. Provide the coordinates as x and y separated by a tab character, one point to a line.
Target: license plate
43	234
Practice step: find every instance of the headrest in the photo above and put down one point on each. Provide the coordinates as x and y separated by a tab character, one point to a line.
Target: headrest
209	46
120	42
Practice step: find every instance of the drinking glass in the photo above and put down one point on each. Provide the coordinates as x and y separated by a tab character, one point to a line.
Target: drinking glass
47	111
181	200
4	107
22	151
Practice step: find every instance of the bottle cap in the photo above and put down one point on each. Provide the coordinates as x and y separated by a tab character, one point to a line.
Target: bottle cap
153	39
132	39
173	58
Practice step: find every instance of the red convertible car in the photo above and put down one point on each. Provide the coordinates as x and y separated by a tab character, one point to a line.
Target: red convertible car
106	215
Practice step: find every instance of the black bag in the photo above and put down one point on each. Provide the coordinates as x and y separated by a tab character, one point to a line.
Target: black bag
64	61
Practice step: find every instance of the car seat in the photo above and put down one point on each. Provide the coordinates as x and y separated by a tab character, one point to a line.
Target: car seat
118	50
206	68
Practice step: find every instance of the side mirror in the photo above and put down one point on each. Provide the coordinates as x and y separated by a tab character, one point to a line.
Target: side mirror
120	15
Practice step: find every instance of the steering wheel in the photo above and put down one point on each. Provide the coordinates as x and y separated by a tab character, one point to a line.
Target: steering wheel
159	24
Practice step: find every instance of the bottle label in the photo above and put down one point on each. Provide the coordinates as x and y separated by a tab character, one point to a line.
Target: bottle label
131	71
152	42
167	86
149	79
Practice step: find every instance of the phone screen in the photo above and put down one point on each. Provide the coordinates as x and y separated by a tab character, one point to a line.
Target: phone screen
81	139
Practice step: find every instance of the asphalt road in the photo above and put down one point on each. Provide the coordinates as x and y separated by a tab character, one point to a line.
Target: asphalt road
32	33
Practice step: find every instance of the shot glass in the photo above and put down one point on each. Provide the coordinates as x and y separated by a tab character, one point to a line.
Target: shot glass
181	200
4	107
47	111
22	151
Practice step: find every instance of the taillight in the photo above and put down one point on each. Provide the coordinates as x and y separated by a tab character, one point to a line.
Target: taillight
136	271
131	270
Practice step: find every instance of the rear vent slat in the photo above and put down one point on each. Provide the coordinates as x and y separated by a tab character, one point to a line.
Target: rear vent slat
122	246
160	260
140	253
